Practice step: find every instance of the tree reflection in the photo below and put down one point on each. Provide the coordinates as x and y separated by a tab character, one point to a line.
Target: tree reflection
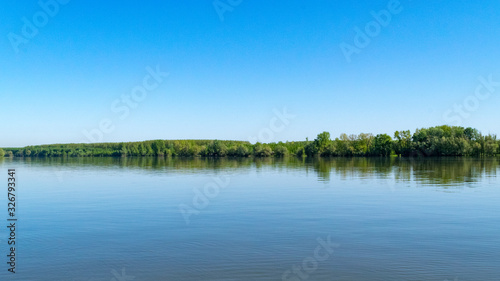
438	171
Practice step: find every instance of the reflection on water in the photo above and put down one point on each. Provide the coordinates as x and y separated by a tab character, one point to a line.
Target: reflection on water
438	171
94	218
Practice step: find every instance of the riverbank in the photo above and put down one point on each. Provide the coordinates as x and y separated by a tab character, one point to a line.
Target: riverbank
435	141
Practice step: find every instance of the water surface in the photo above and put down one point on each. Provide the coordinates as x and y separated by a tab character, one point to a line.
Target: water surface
255	219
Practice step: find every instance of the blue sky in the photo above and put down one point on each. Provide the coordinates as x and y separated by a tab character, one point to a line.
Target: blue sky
227	78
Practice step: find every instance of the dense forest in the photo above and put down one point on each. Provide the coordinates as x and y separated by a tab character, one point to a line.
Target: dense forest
435	141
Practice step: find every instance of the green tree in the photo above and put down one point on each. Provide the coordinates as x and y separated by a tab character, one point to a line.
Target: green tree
471	134
382	145
262	150
343	146
322	141
142	149
311	149
123	151
159	147
301	152
490	146
330	150
242	151
280	151
215	149
403	145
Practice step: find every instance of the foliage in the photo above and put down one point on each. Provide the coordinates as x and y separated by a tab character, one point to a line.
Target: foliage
262	150
382	145
280	151
434	141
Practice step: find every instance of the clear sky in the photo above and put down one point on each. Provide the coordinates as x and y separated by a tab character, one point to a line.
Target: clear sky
231	65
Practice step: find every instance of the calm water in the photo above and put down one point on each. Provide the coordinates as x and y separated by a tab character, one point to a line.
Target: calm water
204	219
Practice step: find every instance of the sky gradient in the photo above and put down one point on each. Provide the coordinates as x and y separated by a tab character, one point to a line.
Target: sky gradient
230	71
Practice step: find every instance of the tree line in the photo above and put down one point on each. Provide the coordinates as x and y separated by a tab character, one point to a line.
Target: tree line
434	141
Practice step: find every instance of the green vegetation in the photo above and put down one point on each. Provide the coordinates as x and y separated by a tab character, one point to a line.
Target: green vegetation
435	141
